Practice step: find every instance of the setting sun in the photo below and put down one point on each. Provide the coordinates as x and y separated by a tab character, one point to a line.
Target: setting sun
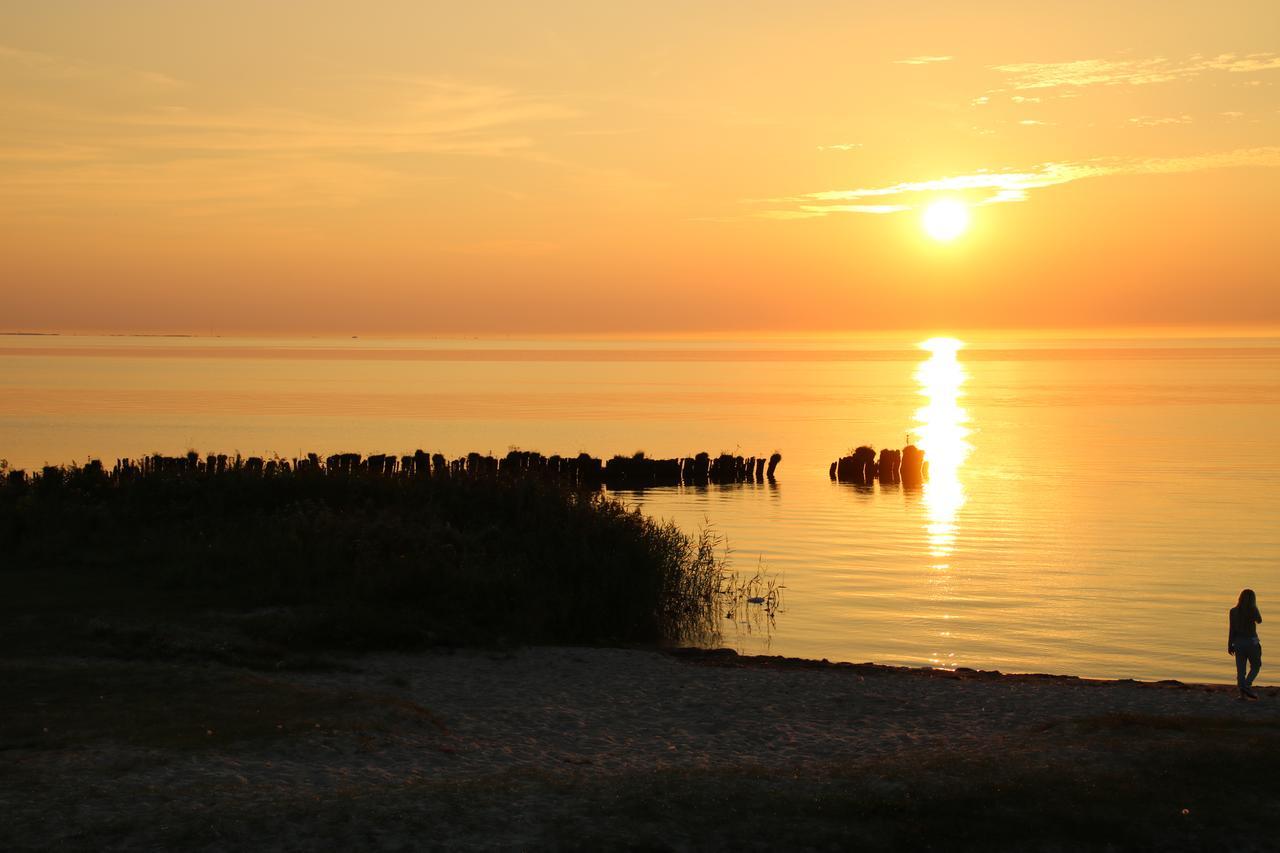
945	220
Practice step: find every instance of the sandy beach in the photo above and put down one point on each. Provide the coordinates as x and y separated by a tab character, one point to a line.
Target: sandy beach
558	748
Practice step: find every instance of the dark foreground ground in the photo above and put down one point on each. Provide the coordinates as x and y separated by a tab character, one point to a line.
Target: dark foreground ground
177	738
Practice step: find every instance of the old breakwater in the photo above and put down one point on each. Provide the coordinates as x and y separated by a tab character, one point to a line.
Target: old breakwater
580	472
861	468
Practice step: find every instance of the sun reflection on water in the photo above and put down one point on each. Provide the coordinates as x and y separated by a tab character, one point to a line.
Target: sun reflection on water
940	427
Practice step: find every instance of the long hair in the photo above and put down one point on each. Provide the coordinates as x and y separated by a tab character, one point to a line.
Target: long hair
1248	602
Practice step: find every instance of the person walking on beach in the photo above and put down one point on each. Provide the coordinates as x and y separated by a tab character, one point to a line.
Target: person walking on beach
1242	641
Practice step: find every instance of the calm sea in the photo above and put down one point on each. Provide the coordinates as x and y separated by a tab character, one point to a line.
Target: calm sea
1094	506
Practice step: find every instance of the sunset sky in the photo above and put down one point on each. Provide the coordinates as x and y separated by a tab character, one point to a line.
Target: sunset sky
587	168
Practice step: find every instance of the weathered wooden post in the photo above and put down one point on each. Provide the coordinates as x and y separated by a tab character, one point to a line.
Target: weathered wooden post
590	471
890	467
859	469
773	464
913	470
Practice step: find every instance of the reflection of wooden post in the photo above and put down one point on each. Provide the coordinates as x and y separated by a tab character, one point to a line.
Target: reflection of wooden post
913	466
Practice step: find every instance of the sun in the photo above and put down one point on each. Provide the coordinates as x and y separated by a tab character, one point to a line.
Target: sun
946	219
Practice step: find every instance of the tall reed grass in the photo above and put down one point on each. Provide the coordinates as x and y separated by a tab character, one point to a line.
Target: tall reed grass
350	559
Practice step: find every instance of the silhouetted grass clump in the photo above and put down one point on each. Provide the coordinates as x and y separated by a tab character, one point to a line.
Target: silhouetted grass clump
352	559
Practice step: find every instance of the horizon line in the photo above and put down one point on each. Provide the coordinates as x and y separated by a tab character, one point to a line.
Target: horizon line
1181	331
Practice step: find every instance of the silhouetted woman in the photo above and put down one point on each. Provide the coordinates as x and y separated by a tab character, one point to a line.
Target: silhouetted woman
1242	641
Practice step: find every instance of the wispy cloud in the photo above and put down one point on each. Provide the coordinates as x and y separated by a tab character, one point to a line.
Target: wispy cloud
34	64
923	60
1001	187
195	187
1131	72
415	116
155	143
384	114
810	211
1157	121
842	146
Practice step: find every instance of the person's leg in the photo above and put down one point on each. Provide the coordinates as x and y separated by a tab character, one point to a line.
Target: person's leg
1242	658
1255	664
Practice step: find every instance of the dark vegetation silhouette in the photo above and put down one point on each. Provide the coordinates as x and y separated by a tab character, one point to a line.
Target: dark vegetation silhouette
357	552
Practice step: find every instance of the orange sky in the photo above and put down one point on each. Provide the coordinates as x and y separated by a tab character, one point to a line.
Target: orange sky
224	167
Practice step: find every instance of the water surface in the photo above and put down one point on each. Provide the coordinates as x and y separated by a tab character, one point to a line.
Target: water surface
1094	506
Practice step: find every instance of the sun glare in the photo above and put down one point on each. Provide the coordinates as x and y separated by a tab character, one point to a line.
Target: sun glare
946	220
942	427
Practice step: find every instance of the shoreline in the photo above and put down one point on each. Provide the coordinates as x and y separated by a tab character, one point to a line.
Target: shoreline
724	656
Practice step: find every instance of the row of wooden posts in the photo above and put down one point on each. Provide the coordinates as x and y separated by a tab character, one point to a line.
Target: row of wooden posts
862	467
581	471
906	466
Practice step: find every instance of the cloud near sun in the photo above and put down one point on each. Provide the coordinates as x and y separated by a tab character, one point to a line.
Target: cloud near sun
1132	72
996	187
923	60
